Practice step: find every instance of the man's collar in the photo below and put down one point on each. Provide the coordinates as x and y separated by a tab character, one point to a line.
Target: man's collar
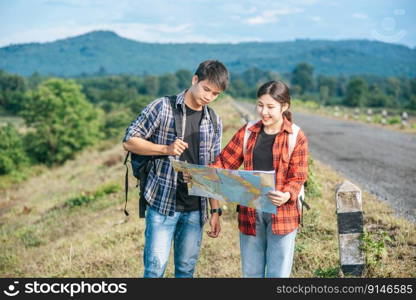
180	100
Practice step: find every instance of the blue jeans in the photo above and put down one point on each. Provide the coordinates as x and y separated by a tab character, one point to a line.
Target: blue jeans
185	229
267	254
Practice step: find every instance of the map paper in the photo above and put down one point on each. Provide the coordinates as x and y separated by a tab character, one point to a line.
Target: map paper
248	188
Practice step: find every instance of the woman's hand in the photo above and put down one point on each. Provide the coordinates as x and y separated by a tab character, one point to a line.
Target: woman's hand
278	198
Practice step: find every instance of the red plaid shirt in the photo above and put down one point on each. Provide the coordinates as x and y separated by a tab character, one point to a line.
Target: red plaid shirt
290	175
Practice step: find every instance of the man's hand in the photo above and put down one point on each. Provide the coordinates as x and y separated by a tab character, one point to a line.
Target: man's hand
187	178
177	147
214	222
278	198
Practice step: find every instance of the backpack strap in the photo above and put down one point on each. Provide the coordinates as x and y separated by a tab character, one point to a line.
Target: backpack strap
213	118
301	197
177	115
126	183
292	138
247	135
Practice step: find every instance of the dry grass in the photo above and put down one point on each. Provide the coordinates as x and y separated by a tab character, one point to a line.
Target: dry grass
40	237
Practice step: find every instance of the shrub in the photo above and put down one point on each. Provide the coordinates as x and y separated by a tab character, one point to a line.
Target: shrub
313	187
394	120
12	152
88	197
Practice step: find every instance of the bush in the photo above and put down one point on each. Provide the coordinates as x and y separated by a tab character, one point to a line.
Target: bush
12	152
88	197
115	123
377	119
311	104
394	120
313	187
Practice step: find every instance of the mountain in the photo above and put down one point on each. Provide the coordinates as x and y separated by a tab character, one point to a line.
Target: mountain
107	51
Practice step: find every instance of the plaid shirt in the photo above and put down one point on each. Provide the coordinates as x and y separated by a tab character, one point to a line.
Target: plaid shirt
290	175
156	124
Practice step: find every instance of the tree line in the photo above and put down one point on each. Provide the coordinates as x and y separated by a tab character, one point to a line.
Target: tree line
63	116
354	91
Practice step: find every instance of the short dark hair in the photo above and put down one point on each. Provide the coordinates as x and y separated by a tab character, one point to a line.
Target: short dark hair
215	72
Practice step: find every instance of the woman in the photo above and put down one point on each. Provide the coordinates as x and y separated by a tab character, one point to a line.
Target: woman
267	240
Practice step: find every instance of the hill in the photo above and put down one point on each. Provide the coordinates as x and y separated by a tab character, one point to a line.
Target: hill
112	54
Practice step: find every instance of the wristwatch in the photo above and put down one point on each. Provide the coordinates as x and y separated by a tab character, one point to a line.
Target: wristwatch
216	210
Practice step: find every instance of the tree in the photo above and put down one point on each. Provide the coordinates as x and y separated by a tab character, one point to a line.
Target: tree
341	88
324	94
412	102
393	89
184	79
12	89
356	93
254	77
327	81
115	122
150	85
377	98
238	88
302	75
168	85
34	80
12	152
63	121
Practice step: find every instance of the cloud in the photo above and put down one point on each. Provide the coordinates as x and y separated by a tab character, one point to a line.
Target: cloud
171	29
316	19
272	15
237	8
70	3
360	16
137	31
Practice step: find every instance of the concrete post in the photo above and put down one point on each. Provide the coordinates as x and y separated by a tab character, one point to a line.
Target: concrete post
384	117
405	116
369	115
350	228
356	113
336	114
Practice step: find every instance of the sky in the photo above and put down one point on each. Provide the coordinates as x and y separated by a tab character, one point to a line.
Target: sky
210	21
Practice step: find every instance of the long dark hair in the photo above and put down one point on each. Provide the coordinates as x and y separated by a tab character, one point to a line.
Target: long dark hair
279	91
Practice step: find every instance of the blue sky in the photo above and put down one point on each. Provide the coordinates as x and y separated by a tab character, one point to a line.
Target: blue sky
213	21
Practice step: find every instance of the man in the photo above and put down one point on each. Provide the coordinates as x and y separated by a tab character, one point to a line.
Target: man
171	214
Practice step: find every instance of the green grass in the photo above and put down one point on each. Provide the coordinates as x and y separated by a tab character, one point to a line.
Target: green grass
88	197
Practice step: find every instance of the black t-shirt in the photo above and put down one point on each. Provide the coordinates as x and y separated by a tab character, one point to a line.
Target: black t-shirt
184	202
263	152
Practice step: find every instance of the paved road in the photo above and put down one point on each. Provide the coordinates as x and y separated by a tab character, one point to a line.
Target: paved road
381	160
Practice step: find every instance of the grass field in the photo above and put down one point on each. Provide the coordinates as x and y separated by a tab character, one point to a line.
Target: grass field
68	221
